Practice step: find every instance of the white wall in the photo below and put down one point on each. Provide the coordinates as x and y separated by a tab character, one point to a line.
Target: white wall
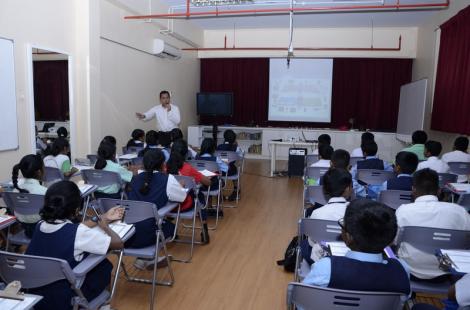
31	22
425	63
130	77
313	37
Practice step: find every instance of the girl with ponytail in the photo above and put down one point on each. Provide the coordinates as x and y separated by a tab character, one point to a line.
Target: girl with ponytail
155	186
59	235
32	169
59	157
106	161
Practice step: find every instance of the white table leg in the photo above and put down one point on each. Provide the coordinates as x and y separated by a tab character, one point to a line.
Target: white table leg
273	158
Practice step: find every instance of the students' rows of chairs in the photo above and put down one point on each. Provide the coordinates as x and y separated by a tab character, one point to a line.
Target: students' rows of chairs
39	271
426	239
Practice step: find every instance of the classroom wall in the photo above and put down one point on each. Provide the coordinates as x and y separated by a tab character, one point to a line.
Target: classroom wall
313	37
31	22
130	77
425	63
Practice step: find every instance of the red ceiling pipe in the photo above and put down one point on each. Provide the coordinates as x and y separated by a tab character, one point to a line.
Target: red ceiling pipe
202	14
372	49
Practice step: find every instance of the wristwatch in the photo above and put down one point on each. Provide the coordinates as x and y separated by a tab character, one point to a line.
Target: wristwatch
95	219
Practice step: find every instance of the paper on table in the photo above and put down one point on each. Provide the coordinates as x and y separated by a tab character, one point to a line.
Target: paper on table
120	228
337	248
460	187
85	188
128	156
461	258
12	304
207	173
5	219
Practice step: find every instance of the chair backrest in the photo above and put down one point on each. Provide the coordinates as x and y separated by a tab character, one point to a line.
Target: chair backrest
394	198
322	298
310	159
101	178
431	239
92	158
229	156
354	160
314	194
461	168
24	204
188	182
374	177
464	201
34	271
52	174
320	230
315	172
204	165
137	161
136	211
446	178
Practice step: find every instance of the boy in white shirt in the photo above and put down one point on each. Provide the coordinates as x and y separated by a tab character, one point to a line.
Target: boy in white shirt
325	151
432	150
459	154
428	211
365	138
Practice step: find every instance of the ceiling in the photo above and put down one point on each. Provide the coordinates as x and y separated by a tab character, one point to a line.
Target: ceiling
393	18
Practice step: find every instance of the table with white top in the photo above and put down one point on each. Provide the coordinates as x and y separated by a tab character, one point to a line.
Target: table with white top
273	145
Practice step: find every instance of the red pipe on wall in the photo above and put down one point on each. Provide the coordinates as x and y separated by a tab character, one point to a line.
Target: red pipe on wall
216	12
372	49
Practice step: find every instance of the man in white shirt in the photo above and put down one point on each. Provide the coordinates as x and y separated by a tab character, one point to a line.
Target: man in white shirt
365	138
428	211
166	114
432	150
325	151
459	154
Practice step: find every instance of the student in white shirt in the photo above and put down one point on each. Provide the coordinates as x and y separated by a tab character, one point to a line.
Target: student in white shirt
59	158
459	154
32	169
61	235
325	151
432	150
337	188
167	115
365	138
322	139
427	211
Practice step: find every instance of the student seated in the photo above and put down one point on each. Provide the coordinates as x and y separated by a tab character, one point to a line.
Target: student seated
177	165
340	160
367	228
365	138
337	188
59	157
155	186
109	139
427	211
325	152
137	138
151	141
62	133
323	139
107	161
432	150
177	134
61	235
459	154
418	139
32	169
208	153
165	144
230	144
405	166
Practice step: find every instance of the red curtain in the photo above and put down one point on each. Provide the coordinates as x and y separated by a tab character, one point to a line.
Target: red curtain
51	90
365	89
451	108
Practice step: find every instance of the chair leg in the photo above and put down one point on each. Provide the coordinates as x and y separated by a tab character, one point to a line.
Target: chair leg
154	276
170	270
116	276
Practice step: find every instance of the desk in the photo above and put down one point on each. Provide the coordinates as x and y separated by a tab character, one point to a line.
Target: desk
273	145
28	302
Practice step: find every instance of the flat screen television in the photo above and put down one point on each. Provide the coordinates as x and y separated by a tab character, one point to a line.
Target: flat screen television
215	104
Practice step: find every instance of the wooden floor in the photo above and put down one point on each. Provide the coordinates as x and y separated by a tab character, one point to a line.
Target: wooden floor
237	270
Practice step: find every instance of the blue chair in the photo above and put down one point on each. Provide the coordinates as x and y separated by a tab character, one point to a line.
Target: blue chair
52	175
233	157
310	159
394	198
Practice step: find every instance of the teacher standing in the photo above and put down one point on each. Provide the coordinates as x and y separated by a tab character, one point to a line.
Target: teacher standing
166	114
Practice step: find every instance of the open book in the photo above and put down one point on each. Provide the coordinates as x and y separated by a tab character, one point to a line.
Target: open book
460	259
86	189
5	219
339	248
119	228
128	156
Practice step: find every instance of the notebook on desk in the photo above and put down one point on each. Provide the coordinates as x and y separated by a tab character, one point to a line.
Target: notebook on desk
459	259
119	228
460	187
207	173
339	248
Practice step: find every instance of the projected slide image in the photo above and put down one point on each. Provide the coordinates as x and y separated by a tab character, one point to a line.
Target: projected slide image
301	92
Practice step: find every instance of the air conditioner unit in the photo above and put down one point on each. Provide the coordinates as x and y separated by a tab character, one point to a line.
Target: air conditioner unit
165	50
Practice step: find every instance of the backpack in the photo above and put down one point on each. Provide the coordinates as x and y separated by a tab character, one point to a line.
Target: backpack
290	255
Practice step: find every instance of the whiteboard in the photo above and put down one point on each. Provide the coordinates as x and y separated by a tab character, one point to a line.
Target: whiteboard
411	110
8	119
